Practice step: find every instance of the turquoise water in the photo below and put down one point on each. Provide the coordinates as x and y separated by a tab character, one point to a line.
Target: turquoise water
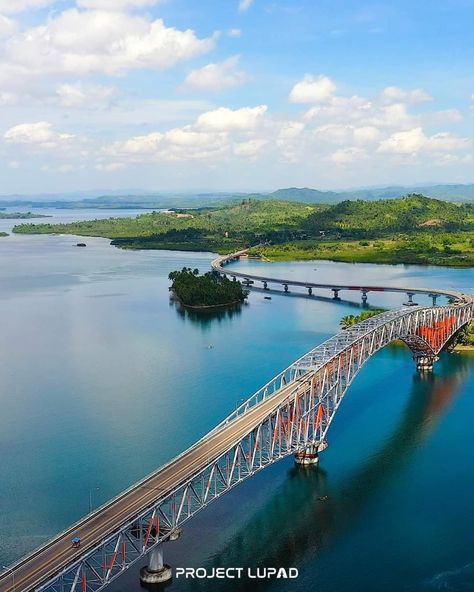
103	380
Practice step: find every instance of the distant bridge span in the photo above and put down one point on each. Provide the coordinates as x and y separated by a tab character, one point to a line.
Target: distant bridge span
291	414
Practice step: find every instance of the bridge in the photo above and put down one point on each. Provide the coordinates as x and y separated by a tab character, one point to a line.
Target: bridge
290	415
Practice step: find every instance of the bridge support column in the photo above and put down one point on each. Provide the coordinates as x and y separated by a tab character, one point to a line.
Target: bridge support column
424	363
265	286
410	299
308	456
434	297
285	287
364	296
310	291
156	571
336	293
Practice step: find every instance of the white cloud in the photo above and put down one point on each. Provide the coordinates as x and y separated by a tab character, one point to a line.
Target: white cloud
87	42
312	89
7	27
348	155
81	95
224	119
245	5
215	77
14	6
7	98
250	148
415	140
396	94
115	5
110	167
234	33
39	134
367	134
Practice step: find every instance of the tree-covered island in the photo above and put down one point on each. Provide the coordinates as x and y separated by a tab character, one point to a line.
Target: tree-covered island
205	291
20	215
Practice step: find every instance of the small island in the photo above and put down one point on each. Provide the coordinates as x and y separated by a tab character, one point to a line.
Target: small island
205	291
20	215
3	234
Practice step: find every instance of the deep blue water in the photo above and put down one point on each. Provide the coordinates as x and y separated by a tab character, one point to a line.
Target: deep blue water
103	380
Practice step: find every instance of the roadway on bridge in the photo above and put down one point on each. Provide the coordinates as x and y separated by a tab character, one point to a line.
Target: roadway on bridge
50	559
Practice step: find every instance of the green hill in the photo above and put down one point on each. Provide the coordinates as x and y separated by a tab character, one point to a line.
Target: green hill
413	213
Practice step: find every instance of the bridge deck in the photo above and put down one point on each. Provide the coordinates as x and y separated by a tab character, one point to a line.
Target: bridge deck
220	263
51	558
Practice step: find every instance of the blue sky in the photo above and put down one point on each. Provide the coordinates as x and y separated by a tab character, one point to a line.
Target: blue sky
181	95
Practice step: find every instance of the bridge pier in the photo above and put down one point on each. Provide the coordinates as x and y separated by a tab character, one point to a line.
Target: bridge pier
434	297
285	287
424	362
265	286
336	293
156	571
310	291
310	455
364	296
410	299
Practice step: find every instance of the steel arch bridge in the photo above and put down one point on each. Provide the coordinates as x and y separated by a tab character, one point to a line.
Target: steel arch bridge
291	414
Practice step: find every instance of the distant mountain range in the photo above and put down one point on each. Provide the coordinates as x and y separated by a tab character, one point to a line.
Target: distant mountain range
141	199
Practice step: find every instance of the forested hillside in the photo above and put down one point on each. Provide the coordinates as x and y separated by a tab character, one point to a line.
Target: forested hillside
413	229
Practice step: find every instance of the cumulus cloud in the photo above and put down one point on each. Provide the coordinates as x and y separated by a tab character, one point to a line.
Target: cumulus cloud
234	33
348	155
250	148
115	5
40	134
87	42
7	27
14	6
396	94
415	140
82	95
215	77
312	89
224	119
245	5
215	134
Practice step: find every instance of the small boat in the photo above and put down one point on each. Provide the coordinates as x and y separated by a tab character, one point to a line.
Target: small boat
81	245
323	498
267	297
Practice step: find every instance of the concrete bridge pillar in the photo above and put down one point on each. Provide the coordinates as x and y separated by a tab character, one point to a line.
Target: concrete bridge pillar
285	287
434	297
310	291
364	296
424	362
336	293
310	455
265	286
156	571
410	299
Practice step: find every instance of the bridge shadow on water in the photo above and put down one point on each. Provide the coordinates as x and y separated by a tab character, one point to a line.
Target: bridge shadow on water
306	515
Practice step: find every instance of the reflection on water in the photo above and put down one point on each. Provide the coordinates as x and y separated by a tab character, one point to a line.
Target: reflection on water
203	318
